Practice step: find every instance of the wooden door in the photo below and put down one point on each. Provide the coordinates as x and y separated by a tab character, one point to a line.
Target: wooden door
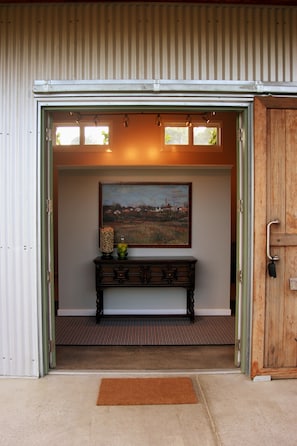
274	319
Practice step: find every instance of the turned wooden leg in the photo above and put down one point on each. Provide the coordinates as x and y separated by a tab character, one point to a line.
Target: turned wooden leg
191	304
99	305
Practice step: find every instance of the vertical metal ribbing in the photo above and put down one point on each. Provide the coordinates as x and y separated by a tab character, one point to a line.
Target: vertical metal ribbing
154	41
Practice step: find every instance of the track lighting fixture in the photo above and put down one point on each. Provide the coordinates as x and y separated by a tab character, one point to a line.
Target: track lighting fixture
207	116
188	121
78	118
204	116
158	120
126	121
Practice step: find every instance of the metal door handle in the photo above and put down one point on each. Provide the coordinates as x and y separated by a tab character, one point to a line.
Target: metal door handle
273	222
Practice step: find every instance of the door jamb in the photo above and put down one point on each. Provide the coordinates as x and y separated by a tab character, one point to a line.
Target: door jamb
231	103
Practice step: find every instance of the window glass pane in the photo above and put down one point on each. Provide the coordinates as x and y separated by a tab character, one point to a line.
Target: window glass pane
97	135
67	136
205	136
176	135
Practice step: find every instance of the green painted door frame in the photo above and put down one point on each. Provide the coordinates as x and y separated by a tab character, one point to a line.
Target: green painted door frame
47	244
244	190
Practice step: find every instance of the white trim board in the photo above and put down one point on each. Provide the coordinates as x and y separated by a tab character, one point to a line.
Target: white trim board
95	87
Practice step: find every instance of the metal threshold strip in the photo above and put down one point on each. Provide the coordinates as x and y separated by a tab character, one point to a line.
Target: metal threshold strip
150	373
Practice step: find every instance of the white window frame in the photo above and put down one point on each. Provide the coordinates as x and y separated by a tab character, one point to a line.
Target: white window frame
191	147
82	147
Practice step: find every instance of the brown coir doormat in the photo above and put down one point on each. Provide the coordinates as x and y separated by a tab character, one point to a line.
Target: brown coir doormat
146	391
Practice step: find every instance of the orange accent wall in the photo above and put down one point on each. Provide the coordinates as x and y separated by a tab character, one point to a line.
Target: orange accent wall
140	144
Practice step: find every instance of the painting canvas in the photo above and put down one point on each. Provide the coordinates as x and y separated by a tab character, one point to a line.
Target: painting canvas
147	214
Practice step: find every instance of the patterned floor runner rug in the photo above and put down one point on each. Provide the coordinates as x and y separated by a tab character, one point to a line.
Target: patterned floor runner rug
83	330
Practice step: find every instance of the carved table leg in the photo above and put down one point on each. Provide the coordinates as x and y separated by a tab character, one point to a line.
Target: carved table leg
190	304
99	305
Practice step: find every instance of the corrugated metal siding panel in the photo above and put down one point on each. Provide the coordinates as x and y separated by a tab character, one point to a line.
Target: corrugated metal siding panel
105	41
18	251
154	41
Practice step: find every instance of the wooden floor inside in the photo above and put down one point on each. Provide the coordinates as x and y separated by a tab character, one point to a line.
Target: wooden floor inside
145	358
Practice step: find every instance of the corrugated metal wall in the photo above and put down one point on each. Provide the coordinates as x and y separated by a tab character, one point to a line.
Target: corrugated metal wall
150	41
107	42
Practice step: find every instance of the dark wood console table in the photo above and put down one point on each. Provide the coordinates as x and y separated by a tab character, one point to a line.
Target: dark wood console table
145	272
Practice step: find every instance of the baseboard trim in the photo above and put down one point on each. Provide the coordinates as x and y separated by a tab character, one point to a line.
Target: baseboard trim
213	312
160	312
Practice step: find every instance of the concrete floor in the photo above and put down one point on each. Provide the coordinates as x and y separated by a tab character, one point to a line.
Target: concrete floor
209	357
60	409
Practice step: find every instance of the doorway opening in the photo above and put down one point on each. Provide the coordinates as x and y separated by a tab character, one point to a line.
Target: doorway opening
81	166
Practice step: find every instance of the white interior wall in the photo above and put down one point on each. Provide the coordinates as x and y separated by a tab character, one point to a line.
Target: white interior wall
78	243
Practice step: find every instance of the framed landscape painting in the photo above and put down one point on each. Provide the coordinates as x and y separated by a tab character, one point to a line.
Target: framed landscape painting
148	214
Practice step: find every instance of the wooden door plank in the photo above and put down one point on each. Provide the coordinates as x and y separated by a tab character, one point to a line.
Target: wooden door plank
274	311
277	373
291	177
275	316
290	296
259	270
290	302
283	239
275	102
276	168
